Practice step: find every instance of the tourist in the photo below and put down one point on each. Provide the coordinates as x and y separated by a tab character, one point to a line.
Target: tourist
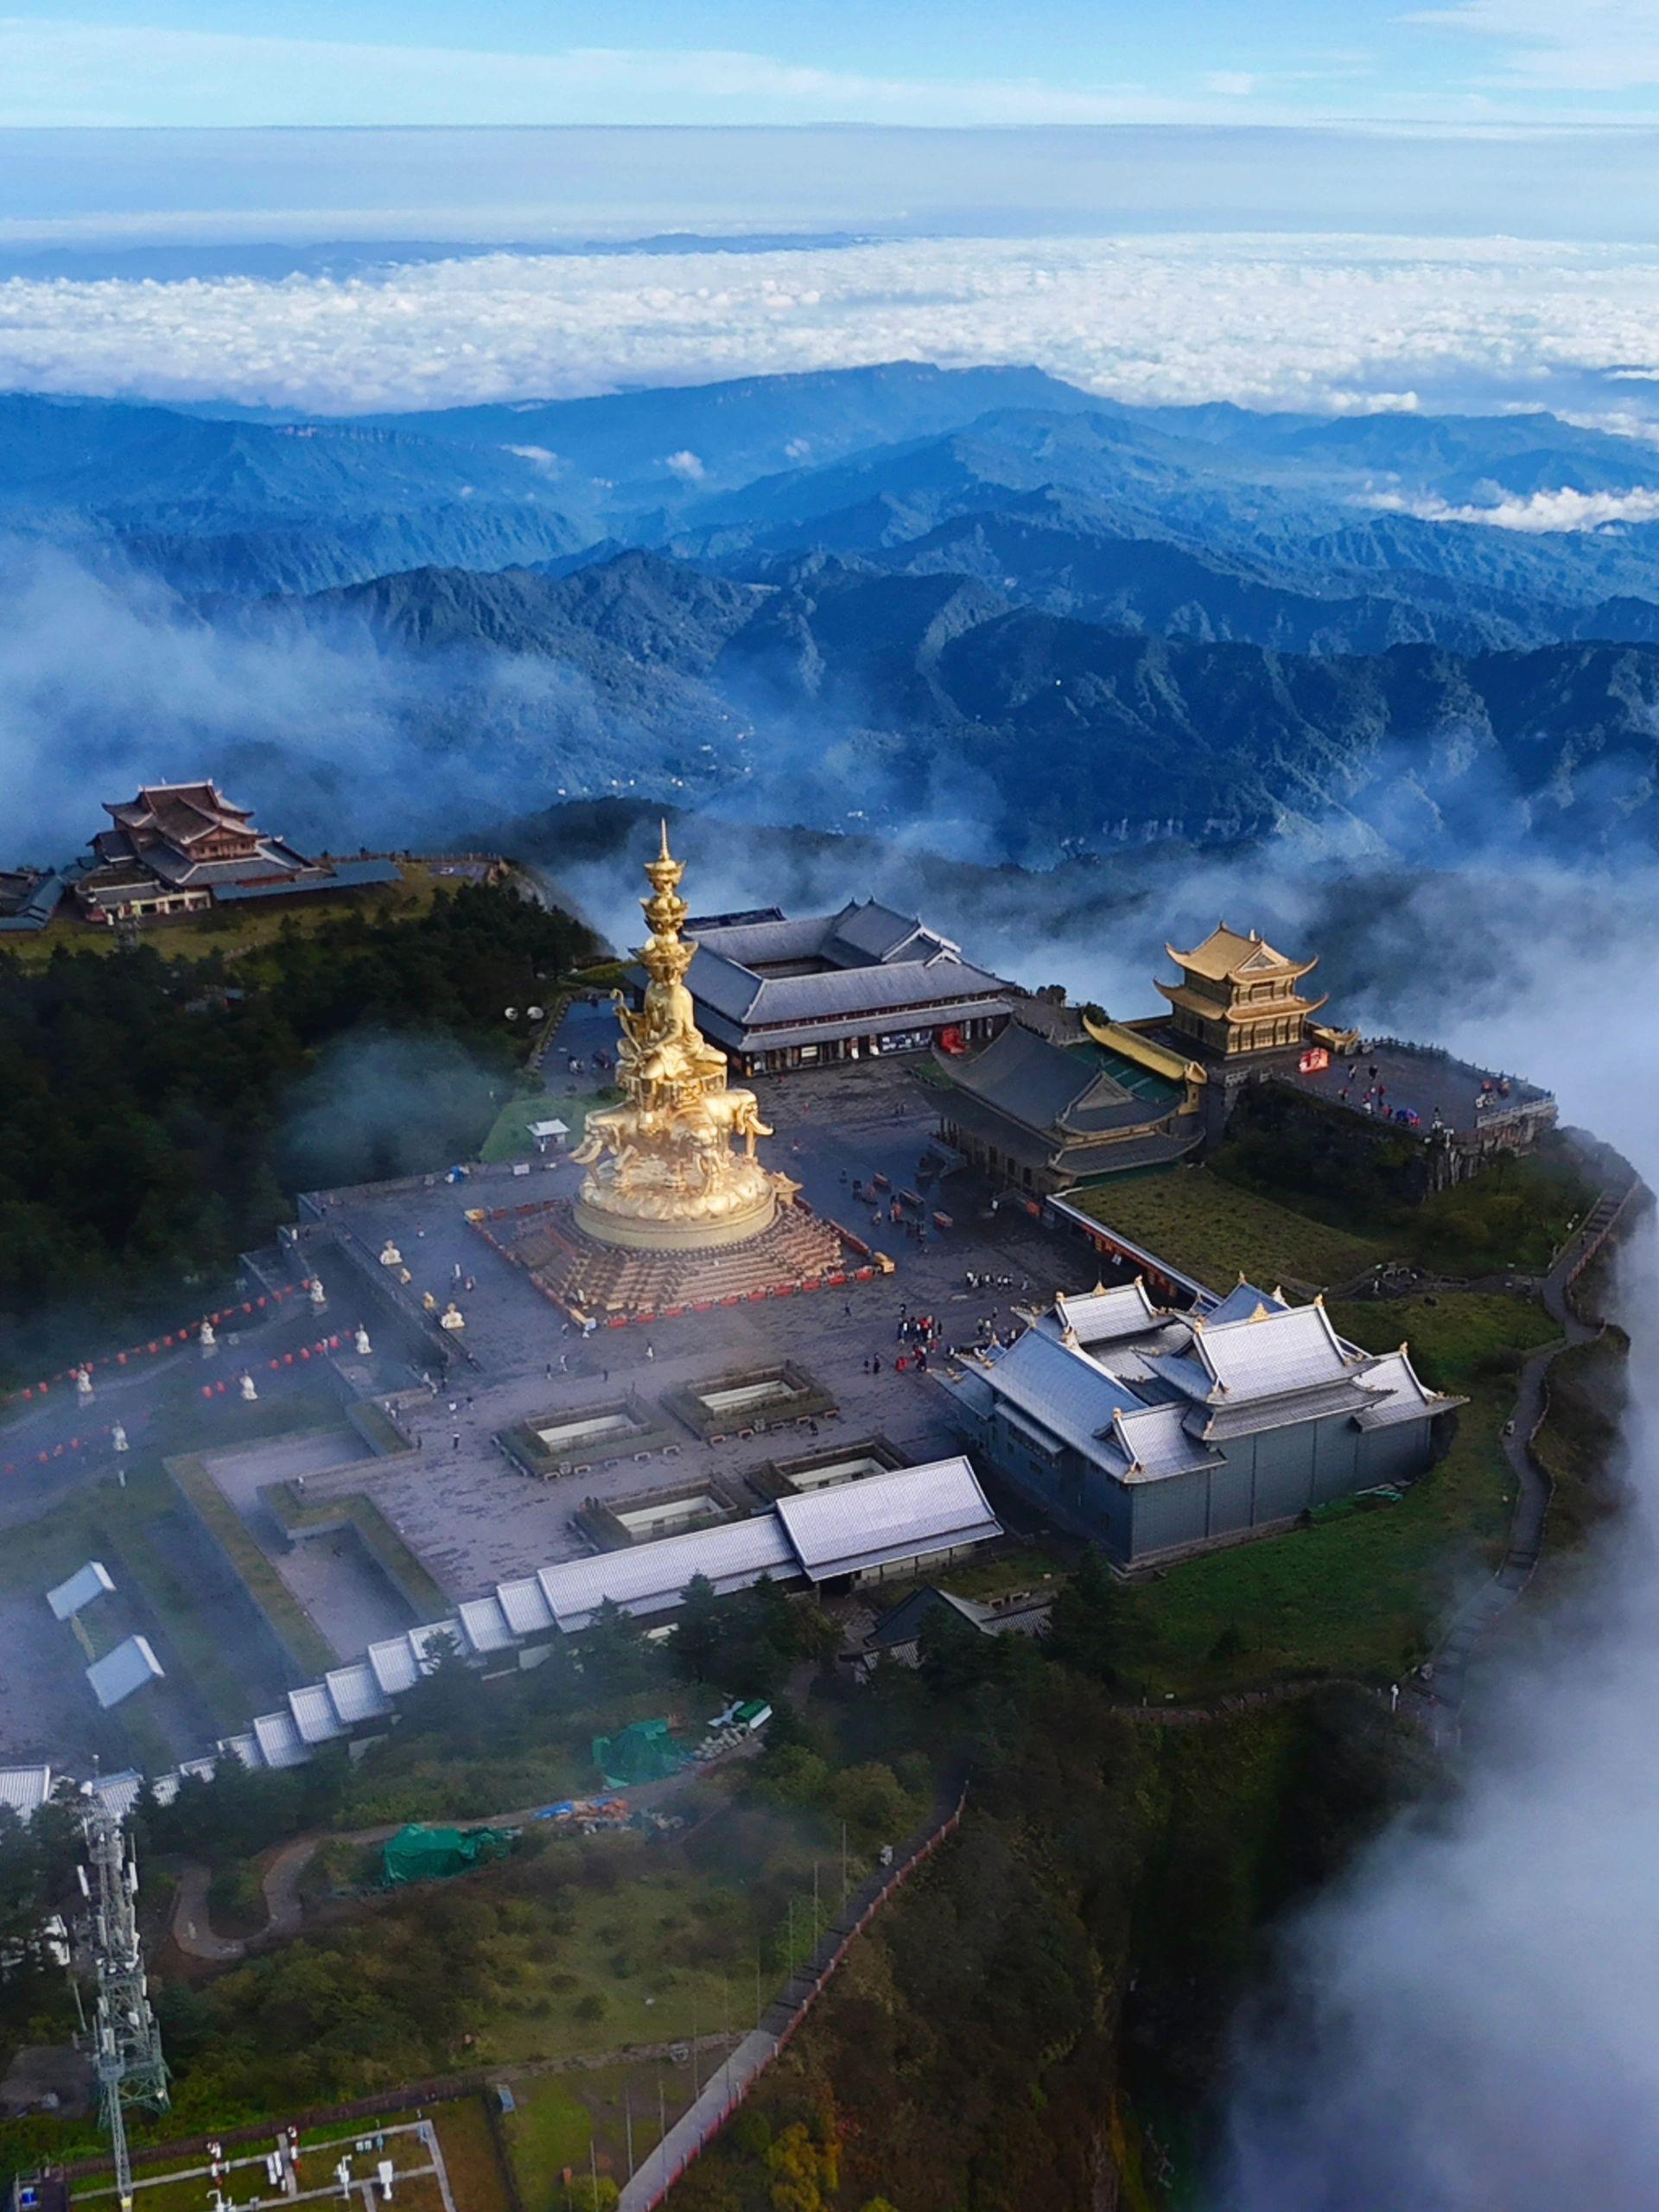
650	1349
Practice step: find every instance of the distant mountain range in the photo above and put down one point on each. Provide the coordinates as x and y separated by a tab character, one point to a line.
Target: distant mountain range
1301	532
836	696
976	597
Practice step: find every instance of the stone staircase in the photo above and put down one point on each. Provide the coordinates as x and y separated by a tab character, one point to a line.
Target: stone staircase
586	1276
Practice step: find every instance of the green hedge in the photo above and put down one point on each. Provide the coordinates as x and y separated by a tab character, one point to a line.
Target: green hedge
288	1619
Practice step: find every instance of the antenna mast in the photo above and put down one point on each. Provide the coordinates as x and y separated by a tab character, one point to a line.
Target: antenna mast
126	2041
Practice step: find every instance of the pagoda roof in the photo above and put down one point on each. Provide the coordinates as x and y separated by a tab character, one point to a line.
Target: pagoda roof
1245	1012
1227	953
1045	1087
181	813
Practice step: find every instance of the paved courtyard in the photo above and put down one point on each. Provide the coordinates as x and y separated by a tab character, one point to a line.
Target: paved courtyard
1417	1081
470	1513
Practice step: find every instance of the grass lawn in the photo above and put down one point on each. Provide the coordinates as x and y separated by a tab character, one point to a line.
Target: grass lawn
611	2107
509	1139
1017	1567
1456	1338
662	1955
551	2129
1359	1595
1216	1231
1364	1593
233	931
127	1528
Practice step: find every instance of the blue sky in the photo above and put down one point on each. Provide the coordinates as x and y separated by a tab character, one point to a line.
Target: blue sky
1457	62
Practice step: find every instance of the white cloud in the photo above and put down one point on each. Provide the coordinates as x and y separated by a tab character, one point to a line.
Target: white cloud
1539	514
1230	83
79	72
686	465
1594	46
1284	321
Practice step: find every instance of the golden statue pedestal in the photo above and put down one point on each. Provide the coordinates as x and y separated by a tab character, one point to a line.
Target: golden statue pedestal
676	1208
746	1213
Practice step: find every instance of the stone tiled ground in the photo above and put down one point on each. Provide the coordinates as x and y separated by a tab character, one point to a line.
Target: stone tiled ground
469	1513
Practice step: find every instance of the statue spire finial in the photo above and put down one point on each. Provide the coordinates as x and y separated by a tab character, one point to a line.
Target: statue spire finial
663	821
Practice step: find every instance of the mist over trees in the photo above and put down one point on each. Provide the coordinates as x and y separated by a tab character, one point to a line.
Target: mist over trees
160	1113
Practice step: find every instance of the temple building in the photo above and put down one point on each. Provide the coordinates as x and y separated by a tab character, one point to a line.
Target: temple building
1158	1432
29	898
179	848
775	992
1053	1101
1237	994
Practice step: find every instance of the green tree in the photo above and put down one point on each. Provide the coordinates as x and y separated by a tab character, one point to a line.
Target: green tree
1086	1627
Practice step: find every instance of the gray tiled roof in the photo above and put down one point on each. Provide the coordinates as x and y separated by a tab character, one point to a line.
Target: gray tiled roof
1064	1391
279	1740
1156	1442
1401	1395
1252	1417
924	984
314	1714
880	962
1155	1149
909	1513
749	944
26	1788
355	1694
651	1577
485	1623
1103	1316
877	932
1040	1084
1241	1304
1294	1349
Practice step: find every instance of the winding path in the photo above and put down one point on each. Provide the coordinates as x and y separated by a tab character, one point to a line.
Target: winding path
191	1930
1493	1599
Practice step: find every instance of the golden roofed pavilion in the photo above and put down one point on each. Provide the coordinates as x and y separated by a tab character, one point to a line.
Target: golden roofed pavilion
1239	995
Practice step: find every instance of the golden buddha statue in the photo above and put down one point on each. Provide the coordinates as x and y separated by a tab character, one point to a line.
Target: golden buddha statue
663	1173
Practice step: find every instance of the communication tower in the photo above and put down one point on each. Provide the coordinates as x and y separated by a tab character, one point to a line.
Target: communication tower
125	2039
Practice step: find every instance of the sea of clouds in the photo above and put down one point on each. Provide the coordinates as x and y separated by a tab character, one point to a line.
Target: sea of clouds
1330	322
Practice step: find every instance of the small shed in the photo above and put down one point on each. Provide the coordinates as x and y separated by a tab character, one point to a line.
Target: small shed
120	1672
87	1583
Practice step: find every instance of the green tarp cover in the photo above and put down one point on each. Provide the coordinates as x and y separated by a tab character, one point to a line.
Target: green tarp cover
643	1751
418	1854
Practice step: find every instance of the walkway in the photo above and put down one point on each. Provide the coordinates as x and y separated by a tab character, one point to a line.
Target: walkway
708	2112
1493	1599
192	1932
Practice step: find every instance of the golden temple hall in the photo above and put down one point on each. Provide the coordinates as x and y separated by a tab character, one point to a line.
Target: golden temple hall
1238	995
